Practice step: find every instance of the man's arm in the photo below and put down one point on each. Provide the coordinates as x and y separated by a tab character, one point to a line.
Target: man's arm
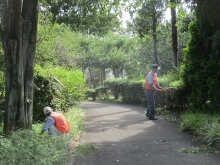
49	122
150	82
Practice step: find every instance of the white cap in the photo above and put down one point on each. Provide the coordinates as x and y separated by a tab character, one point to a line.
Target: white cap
47	109
155	66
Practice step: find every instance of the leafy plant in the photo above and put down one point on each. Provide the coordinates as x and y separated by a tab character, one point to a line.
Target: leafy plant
192	122
85	149
57	87
190	150
29	147
210	132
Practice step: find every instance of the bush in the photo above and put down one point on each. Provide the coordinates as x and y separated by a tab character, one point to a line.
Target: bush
116	86
192	122
91	93
28	147
75	118
210	131
201	69
205	127
133	91
43	96
57	87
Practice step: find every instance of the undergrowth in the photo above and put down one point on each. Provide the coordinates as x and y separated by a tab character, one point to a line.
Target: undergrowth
205	127
29	147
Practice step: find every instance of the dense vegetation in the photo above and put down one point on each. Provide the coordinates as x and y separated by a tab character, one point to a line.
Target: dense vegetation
82	50
202	60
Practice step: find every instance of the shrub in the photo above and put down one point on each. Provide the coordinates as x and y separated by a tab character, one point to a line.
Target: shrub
206	127
116	86
133	91
201	70
29	147
210	131
91	93
75	118
57	87
43	96
192	122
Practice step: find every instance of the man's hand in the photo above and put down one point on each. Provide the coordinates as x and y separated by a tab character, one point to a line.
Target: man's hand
159	90
160	87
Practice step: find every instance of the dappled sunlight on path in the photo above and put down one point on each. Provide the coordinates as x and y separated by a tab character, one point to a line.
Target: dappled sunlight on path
124	136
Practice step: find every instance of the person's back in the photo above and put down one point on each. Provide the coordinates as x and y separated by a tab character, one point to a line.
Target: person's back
60	122
56	123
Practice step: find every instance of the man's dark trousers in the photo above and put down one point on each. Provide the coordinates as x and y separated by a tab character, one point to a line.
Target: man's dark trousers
150	103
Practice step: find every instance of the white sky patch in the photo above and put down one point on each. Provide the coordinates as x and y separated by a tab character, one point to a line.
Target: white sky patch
126	17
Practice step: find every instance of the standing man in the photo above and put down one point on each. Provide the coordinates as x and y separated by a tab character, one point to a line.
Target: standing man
151	86
56	123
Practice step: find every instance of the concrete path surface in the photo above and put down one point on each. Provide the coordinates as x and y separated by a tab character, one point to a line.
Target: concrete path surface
124	136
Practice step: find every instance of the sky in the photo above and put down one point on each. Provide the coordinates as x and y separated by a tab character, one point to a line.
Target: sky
126	16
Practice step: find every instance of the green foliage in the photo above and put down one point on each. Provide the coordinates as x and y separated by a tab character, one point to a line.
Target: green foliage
206	127
112	51
190	150
2	95
75	117
91	93
116	86
202	60
92	17
192	122
100	93
85	149
57	87
210	131
56	44
148	12
2	61
43	96
71	80
133	91
29	147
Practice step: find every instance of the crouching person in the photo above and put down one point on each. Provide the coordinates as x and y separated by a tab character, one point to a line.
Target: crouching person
55	123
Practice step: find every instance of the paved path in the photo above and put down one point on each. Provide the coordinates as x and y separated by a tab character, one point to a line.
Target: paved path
125	137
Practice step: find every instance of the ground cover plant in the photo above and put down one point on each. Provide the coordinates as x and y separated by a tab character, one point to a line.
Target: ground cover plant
32	148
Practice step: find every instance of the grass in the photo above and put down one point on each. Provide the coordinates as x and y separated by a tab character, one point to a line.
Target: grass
32	148
205	127
190	150
85	149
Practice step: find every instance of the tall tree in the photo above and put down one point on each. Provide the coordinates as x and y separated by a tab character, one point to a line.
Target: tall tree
91	17
146	19
202	60
18	31
174	31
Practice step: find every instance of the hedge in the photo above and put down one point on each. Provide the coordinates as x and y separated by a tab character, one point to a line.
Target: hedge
132	91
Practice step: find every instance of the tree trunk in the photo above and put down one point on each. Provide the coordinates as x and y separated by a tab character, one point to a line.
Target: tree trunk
174	32
19	31
103	74
92	77
154	35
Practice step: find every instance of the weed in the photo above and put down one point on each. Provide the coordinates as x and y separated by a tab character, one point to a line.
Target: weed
190	150
32	148
85	149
